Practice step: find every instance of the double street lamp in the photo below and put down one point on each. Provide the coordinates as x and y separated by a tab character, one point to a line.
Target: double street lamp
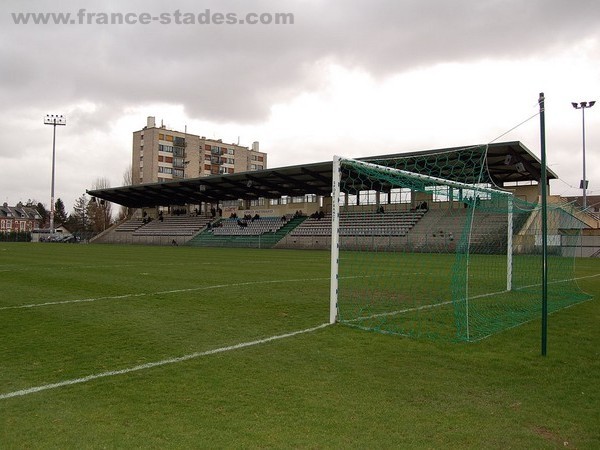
583	106
54	120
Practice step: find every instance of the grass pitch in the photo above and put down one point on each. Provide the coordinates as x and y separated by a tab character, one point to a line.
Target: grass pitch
68	312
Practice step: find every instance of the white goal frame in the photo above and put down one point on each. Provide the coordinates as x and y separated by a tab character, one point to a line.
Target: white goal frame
335	223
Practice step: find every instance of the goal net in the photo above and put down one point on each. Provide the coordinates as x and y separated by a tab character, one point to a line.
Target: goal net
428	247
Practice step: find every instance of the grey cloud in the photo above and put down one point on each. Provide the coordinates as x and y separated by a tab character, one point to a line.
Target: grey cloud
238	72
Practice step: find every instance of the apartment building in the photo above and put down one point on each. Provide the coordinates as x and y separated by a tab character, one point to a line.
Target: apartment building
160	154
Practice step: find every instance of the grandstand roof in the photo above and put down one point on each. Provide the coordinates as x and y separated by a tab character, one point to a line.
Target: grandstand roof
506	162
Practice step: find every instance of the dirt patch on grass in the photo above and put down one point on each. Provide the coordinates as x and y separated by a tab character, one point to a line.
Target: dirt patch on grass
551	436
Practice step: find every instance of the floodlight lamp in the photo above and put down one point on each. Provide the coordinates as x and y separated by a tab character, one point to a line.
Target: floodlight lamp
583	104
55	119
575	105
592	103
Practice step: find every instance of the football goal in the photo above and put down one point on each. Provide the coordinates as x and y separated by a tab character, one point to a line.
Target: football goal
431	248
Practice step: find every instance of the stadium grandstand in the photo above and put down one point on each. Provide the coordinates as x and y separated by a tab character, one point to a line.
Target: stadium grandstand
290	207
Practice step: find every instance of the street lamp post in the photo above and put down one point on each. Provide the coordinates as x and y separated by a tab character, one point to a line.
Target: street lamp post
53	119
583	106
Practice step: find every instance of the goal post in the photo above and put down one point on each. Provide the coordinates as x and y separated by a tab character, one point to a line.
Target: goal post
419	255
335	236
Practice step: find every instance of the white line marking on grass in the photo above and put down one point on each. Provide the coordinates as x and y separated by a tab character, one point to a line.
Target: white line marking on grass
434	305
418	308
150	365
558	281
173	291
96	266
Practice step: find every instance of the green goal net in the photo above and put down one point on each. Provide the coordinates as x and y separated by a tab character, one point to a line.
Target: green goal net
428	247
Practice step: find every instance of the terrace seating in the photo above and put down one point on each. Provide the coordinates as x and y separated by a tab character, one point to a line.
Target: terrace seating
129	225
172	226
394	223
231	227
441	230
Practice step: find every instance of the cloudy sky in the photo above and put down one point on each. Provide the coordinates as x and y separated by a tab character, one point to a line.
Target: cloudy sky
348	77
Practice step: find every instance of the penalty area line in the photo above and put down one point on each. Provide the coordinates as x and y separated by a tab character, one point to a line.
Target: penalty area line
150	294
150	365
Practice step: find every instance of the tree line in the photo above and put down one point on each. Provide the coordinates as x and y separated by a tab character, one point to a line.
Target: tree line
89	215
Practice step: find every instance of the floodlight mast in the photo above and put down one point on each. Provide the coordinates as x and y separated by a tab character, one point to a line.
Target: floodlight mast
54	120
583	106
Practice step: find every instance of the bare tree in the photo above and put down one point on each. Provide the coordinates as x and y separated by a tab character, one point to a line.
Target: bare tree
100	211
128	176
124	211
